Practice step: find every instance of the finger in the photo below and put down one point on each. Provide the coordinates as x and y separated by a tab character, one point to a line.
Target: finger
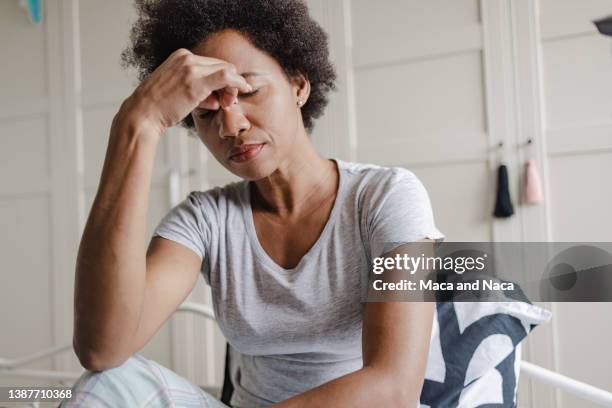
211	102
183	56
228	96
214	79
224	77
207	61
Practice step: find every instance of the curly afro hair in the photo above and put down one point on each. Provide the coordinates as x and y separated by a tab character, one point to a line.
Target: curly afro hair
282	28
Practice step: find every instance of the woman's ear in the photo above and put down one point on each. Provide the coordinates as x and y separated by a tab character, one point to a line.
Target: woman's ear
301	86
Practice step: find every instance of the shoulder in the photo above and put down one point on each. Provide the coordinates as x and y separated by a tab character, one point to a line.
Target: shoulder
394	205
374	182
218	196
210	208
377	173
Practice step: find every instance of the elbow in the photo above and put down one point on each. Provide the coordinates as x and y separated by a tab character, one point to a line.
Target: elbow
404	398
95	360
97	350
397	393
91	363
400	398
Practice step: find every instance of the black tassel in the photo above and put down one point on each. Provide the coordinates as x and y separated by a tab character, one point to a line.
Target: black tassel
503	204
604	25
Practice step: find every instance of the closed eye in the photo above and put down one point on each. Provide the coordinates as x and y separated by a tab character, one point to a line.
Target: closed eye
246	95
206	113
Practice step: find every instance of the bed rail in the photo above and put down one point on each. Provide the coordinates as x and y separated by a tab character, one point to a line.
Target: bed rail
564	383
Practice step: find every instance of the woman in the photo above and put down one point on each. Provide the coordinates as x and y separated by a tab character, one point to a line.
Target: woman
285	252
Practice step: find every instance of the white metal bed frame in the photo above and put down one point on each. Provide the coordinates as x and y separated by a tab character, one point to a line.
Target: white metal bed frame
13	367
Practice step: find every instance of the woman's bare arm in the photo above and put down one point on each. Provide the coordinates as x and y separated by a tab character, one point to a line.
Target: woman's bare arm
123	294
111	266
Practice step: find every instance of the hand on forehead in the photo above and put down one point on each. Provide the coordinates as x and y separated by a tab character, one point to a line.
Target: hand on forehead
222	97
225	97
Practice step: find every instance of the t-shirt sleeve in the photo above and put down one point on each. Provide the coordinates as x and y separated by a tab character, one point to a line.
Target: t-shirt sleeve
400	212
185	224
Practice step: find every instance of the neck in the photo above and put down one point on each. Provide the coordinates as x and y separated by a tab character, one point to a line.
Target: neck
302	180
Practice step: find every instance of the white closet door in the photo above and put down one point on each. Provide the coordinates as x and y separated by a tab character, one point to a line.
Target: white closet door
420	103
577	84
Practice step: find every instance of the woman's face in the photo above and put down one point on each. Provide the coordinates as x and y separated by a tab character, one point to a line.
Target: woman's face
269	116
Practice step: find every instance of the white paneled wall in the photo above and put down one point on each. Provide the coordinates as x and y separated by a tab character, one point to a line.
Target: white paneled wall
26	198
420	102
577	82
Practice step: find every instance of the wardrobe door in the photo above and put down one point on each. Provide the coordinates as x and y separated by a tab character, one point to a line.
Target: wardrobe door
577	84
419	103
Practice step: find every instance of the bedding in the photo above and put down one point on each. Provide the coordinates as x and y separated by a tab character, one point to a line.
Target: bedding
474	353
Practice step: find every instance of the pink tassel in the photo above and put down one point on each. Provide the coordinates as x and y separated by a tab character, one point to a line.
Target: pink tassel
533	184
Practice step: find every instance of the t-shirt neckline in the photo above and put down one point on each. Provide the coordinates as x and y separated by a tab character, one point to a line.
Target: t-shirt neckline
247	212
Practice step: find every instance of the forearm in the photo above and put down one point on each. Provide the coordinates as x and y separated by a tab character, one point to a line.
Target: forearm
111	262
395	346
367	387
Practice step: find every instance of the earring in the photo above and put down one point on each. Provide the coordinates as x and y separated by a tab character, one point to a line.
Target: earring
299	103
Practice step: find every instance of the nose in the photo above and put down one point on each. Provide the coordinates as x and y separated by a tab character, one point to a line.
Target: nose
233	121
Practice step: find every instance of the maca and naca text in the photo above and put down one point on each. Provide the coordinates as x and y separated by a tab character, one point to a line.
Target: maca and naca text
423	264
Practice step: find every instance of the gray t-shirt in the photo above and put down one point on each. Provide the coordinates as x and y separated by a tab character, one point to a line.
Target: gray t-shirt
291	330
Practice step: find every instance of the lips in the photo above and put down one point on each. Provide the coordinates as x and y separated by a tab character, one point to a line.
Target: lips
243	149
